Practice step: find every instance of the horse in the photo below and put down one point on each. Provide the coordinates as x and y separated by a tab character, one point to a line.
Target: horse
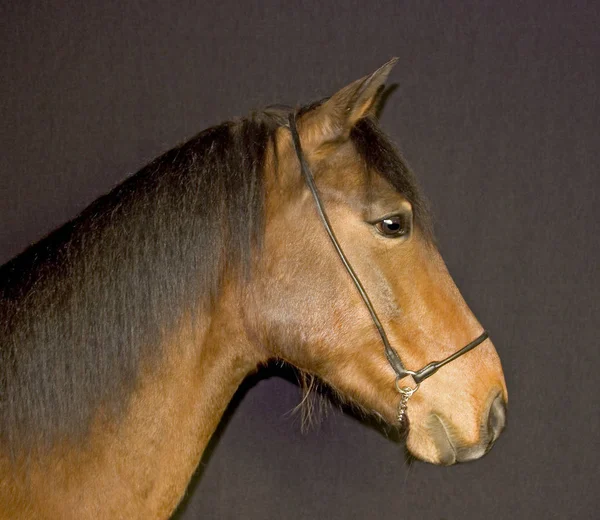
125	333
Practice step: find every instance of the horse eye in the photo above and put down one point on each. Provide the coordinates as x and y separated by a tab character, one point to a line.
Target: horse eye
395	226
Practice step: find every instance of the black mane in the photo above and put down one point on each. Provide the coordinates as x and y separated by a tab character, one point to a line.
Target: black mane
82	307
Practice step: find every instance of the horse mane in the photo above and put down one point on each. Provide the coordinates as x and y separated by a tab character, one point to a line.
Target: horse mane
83	307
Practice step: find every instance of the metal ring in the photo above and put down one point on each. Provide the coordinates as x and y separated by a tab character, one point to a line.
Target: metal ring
406	390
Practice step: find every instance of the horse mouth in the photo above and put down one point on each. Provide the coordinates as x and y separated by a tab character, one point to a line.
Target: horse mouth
451	450
446	451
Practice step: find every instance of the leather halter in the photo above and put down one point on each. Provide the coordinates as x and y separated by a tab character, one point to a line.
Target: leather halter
392	356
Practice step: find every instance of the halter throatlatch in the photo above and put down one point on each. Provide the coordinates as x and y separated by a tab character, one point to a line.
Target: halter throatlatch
392	356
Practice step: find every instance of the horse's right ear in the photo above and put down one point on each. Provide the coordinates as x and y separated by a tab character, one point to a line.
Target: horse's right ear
334	119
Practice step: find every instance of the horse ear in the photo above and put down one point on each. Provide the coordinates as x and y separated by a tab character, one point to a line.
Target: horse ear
335	118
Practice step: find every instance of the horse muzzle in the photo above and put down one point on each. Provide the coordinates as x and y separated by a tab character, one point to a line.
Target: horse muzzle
450	447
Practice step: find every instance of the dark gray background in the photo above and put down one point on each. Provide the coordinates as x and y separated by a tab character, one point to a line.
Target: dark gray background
496	110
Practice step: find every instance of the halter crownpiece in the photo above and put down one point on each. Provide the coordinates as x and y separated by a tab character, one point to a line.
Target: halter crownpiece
392	356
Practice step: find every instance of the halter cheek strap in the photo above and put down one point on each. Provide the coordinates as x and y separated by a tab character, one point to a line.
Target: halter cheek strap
392	356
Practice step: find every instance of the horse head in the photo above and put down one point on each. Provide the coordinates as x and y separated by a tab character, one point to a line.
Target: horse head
306	311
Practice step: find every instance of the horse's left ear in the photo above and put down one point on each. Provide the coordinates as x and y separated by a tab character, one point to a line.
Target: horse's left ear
335	118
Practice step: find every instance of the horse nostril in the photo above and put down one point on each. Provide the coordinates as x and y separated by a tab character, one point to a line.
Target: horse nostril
496	418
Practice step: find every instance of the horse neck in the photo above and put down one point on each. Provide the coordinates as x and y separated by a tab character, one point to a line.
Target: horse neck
186	396
140	466
211	364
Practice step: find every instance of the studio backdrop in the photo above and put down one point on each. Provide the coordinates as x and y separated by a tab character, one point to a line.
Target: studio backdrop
495	107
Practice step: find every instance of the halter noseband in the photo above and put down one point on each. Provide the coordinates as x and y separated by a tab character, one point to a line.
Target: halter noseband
392	356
